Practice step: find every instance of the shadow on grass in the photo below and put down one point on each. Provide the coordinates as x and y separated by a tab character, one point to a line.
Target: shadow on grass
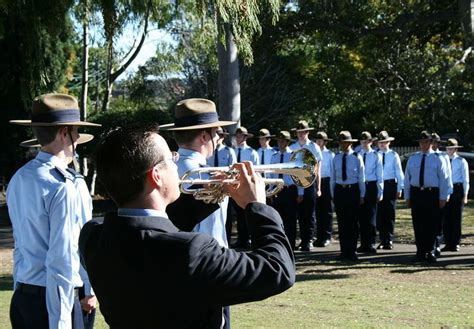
6	282
397	262
308	276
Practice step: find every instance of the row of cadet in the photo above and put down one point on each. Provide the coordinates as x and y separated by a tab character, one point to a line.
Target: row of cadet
363	184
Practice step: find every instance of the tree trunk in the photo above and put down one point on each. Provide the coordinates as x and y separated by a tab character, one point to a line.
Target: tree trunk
85	61
229	80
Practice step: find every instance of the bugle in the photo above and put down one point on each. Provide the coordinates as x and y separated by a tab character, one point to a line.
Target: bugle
302	168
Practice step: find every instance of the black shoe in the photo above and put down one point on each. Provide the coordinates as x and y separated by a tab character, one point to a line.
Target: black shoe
353	257
321	243
388	245
306	246
450	248
380	246
437	252
431	258
367	249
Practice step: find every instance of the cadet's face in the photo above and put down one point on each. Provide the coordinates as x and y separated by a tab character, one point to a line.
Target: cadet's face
302	135
384	145
263	141
424	145
320	142
345	146
239	138
282	144
365	143
450	151
213	137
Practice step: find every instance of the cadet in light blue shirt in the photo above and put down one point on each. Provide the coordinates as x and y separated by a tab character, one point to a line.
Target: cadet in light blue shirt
265	152
195	131
392	190
285	200
348	190
48	205
323	208
224	156
307	197
426	192
373	193
243	153
454	207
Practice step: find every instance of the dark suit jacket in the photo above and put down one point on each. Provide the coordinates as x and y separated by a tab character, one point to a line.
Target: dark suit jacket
148	274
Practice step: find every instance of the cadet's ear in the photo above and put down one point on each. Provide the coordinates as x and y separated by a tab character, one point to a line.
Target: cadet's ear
154	178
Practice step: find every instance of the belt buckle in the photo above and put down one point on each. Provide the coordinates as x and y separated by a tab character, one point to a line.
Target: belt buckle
422	188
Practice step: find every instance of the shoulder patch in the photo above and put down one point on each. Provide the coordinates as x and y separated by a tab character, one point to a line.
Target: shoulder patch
64	174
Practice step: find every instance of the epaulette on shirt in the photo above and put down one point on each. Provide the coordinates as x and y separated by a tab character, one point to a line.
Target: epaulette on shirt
68	173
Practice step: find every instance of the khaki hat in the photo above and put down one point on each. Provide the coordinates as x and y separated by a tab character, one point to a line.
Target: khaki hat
221	132
384	137
302	126
195	113
83	138
365	135
285	135
452	143
243	131
55	110
435	137
424	135
265	133
322	135
345	136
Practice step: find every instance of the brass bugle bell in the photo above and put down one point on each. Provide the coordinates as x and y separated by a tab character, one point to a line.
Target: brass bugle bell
302	168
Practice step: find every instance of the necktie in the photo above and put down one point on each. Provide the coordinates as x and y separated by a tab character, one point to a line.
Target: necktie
263	157
422	171
364	157
216	159
383	159
281	161
344	167
238	155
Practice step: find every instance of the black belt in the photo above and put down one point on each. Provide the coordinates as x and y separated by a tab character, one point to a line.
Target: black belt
325	178
347	185
425	188
371	182
390	180
458	184
31	289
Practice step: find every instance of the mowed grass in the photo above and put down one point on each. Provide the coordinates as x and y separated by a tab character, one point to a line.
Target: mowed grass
389	292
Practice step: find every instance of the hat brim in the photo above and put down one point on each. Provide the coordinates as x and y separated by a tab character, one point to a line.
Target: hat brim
268	136
389	139
171	126
453	147
348	141
245	134
305	129
285	139
83	138
53	124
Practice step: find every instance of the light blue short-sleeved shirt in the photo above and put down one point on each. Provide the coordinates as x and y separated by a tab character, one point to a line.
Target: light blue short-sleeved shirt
373	168
460	172
392	168
246	154
214	224
354	171
48	206
225	157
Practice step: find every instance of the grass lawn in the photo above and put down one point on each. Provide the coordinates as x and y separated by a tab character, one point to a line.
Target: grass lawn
376	292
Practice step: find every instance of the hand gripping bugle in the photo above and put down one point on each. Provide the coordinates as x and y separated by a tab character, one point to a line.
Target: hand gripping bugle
302	169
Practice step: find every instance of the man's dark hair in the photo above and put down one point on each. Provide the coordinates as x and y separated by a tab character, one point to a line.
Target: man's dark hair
46	135
123	158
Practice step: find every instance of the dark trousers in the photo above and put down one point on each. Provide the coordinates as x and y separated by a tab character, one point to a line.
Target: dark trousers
231	215
243	235
453	216
425	213
324	211
285	204
367	215
346	203
386	211
28	309
306	218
